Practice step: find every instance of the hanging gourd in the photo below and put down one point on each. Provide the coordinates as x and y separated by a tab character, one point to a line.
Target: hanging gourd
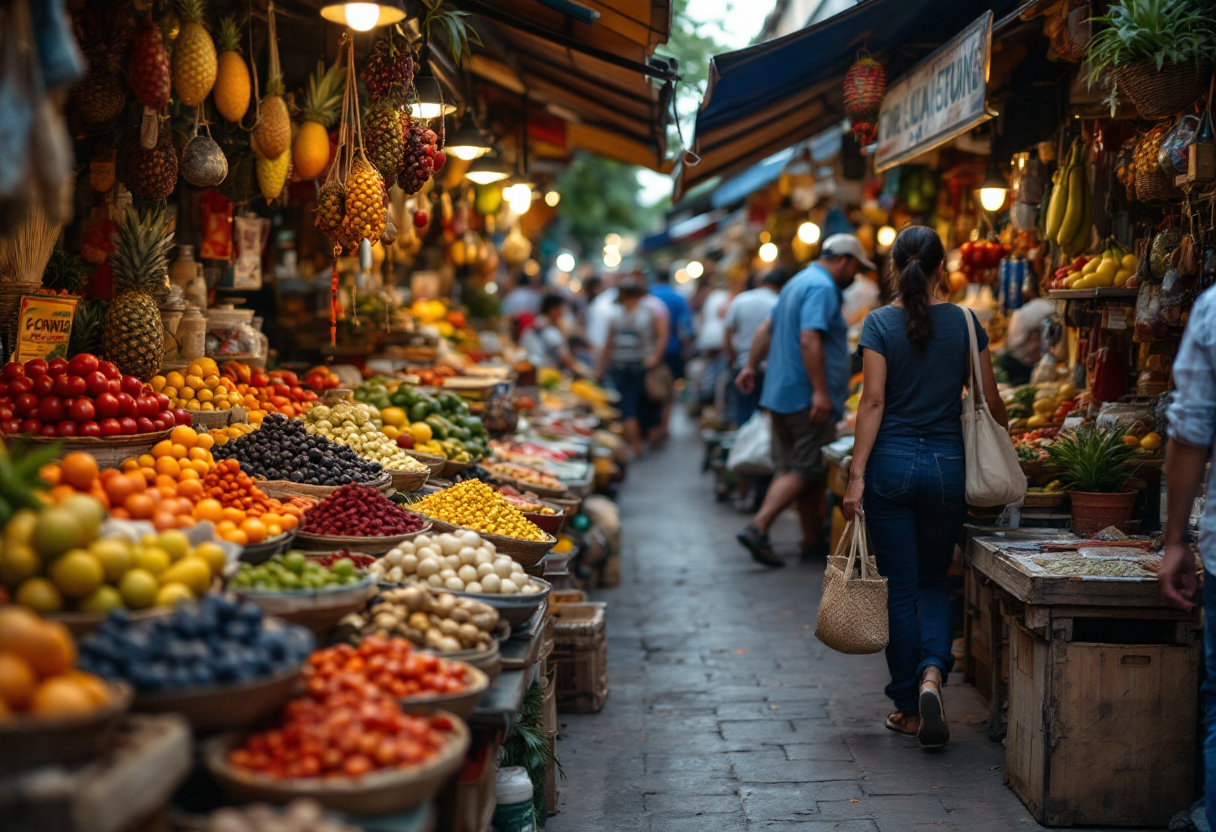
865	85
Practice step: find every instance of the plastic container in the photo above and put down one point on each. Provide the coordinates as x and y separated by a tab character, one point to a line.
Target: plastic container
513	794
192	334
232	336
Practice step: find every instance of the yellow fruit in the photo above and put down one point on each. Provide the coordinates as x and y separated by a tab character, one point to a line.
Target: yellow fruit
152	560
273	132
1038	421
40	595
213	555
92	685
1045	407
391	432
311	150
61	697
1130	262
20	527
393	416
175	543
1092	266
232	91
18	562
102	599
17	681
88	511
138	589
158	383
171	595
1066	392
1151	441
56	531
192	572
421	431
77	573
175	379
272	174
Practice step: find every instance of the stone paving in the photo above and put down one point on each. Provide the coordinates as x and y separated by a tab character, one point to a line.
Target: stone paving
726	713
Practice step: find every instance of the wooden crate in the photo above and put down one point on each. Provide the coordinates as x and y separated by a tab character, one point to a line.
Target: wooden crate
986	639
1102	730
474	801
580	657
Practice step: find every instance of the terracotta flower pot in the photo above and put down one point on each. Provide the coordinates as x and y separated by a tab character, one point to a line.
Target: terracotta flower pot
1093	511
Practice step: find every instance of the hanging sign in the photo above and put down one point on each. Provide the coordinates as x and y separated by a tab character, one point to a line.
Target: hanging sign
940	98
44	327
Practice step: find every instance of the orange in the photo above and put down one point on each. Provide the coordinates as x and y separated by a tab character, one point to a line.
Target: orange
61	696
191	489
140	506
184	435
272	517
162	448
130	464
17	681
178	451
94	686
168	466
164	520
225	527
290	522
198	454
51	474
205	441
273	530
79	470
166	491
201	466
149	475
60	493
146	461
238	537
255	530
165	481
209	509
46	646
189	474
236	515
120	487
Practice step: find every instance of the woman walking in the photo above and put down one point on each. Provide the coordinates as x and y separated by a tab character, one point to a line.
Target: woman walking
636	341
907	477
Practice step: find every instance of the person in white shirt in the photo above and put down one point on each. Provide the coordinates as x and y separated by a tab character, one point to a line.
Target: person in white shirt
521	300
743	317
546	343
1023	340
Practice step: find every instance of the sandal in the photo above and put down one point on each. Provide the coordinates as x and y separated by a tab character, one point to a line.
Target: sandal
899	723
933	733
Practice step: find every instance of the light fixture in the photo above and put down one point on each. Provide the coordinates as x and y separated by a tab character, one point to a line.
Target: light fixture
765	237
363	17
768	252
552	198
491	288
518	194
808	233
695	269
886	236
531	268
613	240
467	142
993	190
431	103
566	262
682	276
486	170
612	257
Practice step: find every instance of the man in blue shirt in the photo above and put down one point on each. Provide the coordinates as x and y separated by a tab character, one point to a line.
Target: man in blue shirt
806	343
680	316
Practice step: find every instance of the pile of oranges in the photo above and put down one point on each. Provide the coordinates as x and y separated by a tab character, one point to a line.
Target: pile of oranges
222	435
241	511
200	388
37	670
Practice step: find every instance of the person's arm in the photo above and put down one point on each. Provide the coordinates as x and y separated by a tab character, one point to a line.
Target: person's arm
746	380
662	333
869	419
811	342
727	348
1184	469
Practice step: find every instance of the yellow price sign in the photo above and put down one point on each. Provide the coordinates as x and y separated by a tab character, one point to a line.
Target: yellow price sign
44	327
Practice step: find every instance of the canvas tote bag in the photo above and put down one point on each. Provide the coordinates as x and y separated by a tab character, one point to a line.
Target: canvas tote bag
853	610
994	476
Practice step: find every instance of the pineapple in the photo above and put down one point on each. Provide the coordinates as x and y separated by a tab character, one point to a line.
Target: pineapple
322	100
331	210
232	87
87	326
133	337
148	66
149	174
194	62
272	135
384	129
389	70
272	174
66	273
364	204
96	101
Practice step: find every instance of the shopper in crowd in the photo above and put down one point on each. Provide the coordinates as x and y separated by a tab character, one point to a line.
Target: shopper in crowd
521	300
805	340
1192	429
680	334
744	316
635	343
907	477
709	341
544	340
601	306
1024	339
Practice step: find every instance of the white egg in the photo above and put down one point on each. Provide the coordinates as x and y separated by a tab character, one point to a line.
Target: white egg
483	557
395	575
435	581
447	573
470	539
468	573
473	586
489	545
519	578
509	588
484	569
491	583
407	548
394	557
503	569
424	552
454	584
427	567
503	559
453	561
467	555
409	564
450	543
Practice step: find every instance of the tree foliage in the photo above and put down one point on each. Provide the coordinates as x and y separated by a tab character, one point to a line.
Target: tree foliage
599	196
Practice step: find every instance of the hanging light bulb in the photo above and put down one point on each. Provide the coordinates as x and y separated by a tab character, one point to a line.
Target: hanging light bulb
552	198
768	252
566	262
431	103
467	143
886	236
808	233
993	190
363	17
487	170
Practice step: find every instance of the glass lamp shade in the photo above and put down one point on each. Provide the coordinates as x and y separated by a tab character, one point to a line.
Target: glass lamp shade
363	17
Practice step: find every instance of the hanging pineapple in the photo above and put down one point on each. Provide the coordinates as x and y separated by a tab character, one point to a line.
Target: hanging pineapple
272	174
384	129
865	85
322	100
331	210
232	88
364	203
133	337
148	173
148	66
389	70
194	61
98	99
272	134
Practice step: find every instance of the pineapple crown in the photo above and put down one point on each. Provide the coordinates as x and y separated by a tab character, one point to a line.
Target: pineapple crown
323	98
191	11
66	273
229	37
141	252
274	87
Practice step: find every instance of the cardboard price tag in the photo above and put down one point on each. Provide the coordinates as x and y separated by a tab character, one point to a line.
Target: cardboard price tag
44	327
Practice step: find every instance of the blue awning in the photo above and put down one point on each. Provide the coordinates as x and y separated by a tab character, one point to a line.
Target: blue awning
776	93
747	183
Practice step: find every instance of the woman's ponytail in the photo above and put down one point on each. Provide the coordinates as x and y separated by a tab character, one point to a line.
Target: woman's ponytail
915	259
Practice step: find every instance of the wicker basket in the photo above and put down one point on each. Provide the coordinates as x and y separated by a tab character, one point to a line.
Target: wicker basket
286	489
224	707
10	310
1159	93
255	553
109	452
525	552
364	545
1044	499
29	742
435	463
451	468
409	480
1157	187
318	610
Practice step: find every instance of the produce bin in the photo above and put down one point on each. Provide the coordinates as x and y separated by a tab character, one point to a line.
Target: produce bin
580	655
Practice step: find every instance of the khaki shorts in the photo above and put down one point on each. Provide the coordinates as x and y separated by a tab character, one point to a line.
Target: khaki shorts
798	443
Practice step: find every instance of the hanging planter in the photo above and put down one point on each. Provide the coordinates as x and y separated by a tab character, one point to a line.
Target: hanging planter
865	86
1158	93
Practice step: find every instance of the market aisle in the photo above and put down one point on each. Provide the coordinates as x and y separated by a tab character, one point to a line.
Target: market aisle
725	712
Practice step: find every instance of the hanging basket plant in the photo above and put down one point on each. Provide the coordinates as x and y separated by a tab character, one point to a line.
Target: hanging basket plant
865	86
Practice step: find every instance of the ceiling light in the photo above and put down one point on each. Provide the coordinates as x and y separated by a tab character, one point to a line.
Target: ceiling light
682	276
431	102
695	269
487	170
552	198
363	17
566	261
613	240
768	252
993	190
467	143
808	233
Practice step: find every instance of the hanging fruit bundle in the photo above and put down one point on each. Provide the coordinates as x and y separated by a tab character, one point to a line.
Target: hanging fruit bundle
271	139
389	70
865	86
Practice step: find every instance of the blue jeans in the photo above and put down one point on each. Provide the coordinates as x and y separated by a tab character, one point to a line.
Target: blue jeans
1209	698
915	504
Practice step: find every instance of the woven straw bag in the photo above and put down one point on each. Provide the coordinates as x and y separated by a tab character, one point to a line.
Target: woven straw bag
853	610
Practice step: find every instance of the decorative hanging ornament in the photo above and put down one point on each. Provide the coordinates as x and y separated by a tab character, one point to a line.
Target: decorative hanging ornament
865	86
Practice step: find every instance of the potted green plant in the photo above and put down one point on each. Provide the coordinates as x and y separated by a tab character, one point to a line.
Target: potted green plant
1095	466
1157	51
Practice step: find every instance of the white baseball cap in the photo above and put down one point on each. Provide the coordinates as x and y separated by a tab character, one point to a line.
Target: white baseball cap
846	244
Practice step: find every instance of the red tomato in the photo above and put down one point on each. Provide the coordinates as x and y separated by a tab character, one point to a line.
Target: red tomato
110	427
126	406
128	426
162	402
66	428
20	385
132	386
48	431
109	369
57	366
44	386
144	425
96	383
90	429
69	386
35	367
30	426
83	410
12	370
145	406
83	364
25	404
6	413
50	409
10	426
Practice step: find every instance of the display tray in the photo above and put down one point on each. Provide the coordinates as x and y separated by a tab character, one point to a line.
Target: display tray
286	489
109	451
516	610
549	523
352	543
261	552
435	463
462	704
378	793
224	708
525	487
318	610
28	742
451	468
409	480
1081	294
83	623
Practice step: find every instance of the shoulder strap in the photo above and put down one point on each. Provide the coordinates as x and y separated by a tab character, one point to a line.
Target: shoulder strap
977	387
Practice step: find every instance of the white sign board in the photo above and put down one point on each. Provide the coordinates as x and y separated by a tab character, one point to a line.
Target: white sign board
940	98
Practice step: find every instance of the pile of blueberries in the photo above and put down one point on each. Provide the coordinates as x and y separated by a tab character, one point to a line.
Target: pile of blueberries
282	449
219	641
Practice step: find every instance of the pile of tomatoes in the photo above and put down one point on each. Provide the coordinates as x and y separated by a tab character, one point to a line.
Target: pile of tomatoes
977	258
389	666
344	734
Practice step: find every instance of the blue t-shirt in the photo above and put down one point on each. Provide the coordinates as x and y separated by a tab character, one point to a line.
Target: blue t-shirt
924	387
678	312
811	300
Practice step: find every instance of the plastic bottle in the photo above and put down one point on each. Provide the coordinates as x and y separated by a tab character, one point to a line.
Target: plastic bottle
513	791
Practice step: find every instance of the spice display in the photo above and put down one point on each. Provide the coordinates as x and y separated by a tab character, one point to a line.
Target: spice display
437	621
358	511
293	572
38	674
524	474
474	505
456	562
358	427
284	450
219	641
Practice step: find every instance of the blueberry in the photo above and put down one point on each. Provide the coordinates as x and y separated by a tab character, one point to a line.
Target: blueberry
202	675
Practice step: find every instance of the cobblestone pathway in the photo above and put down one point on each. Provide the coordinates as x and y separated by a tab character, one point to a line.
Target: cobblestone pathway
726	713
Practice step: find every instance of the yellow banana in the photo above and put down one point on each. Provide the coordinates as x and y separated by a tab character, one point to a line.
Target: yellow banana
1076	205
1059	200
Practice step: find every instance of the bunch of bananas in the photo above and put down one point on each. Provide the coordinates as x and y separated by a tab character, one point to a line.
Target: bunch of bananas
1070	210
